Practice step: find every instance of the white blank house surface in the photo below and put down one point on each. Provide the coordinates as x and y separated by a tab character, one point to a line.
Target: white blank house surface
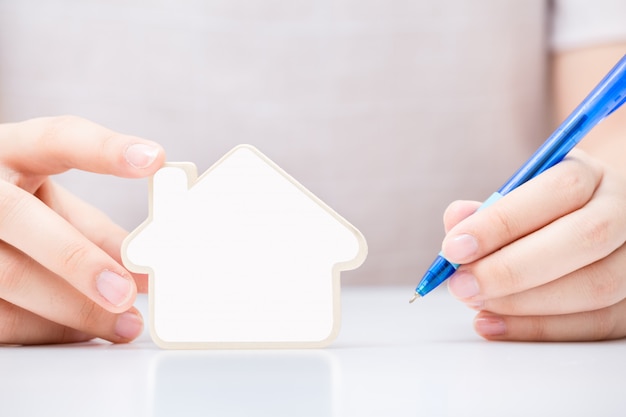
241	257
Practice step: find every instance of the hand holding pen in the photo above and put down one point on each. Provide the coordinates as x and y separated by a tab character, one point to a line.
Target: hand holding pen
546	262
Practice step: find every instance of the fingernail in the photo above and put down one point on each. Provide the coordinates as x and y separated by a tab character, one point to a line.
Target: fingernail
129	325
460	248
113	287
463	285
490	326
140	155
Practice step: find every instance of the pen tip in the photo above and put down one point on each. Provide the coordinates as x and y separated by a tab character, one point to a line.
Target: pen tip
415	297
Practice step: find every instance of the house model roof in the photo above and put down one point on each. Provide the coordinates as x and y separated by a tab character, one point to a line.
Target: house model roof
242	256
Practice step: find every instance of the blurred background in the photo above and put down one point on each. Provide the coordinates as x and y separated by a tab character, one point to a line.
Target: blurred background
385	109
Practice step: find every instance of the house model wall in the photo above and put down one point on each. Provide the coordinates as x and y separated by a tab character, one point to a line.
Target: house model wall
242	256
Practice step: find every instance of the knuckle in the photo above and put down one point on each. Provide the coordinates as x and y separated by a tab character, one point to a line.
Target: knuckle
90	318
506	305
13	270
595	234
571	184
73	256
6	208
9	322
109	141
12	205
52	134
604	286
603	324
575	183
506	279
12	177
503	223
537	328
54	127
85	318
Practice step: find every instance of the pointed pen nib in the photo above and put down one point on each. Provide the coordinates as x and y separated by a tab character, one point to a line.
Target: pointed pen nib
415	297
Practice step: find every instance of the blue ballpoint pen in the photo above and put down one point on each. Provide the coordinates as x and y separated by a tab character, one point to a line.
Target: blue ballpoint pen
603	100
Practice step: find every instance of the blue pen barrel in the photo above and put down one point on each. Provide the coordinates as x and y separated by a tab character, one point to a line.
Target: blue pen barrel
607	97
551	153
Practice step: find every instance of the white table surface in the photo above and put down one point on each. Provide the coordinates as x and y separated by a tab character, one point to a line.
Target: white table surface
391	359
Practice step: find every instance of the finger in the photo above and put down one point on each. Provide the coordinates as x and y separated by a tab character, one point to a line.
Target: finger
607	323
51	145
458	211
91	222
29	225
596	286
562	189
33	288
21	327
570	243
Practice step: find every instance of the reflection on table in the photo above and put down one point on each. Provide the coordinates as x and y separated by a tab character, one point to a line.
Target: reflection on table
391	359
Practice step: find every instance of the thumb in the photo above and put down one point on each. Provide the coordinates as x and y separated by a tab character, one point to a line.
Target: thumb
457	211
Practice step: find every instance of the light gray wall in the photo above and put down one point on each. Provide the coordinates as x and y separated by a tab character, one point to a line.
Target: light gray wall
386	109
